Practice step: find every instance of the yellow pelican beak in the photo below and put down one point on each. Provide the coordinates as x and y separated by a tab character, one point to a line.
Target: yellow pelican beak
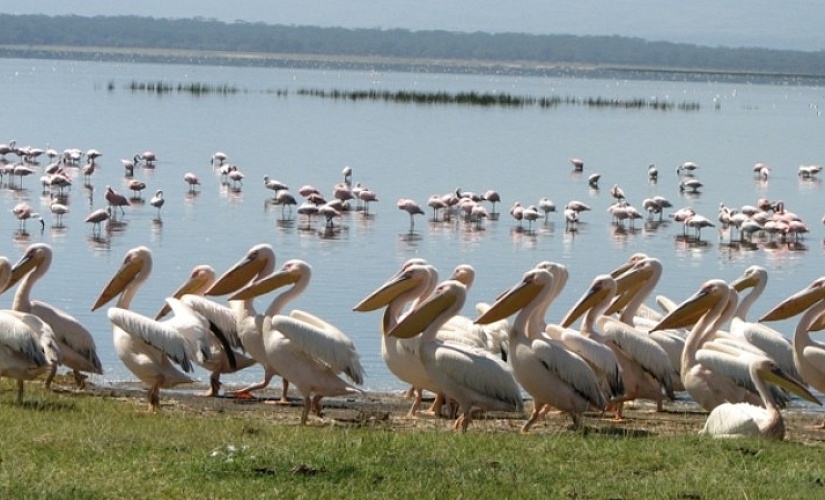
419	318
27	262
798	302
238	275
744	282
790	384
688	312
628	284
279	278
595	295
512	300
200	279
401	283
126	274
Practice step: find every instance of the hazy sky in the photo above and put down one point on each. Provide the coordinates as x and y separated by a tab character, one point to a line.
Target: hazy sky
788	24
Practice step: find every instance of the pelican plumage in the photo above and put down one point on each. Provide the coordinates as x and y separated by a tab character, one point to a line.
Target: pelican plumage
224	343
306	350
148	347
413	282
258	262
75	341
646	368
809	355
471	377
27	345
732	420
550	373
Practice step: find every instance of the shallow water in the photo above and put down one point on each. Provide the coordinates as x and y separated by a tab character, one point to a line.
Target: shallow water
400	150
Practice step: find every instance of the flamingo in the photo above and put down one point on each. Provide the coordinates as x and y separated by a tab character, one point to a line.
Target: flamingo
193	181
23	211
136	187
98	216
115	200
411	207
157	201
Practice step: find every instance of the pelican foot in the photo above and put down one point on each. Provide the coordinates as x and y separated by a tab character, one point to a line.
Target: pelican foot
241	395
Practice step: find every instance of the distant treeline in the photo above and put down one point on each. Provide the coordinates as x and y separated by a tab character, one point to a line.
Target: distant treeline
20	33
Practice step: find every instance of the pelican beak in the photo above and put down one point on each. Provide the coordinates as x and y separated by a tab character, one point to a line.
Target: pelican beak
27	262
687	313
400	283
623	268
790	384
125	275
797	302
511	301
744	282
266	284
627	285
591	297
419	318
238	275
198	281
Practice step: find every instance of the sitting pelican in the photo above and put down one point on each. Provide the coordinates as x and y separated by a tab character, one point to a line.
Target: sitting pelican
306	350
75	342
645	366
258	262
550	373
148	347
223	358
731	420
808	354
472	377
27	345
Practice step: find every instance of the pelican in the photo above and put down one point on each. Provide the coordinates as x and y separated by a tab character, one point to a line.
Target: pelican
773	343
27	345
414	281
258	262
224	340
469	376
306	350
732	420
75	342
148	347
809	355
645	366
551	374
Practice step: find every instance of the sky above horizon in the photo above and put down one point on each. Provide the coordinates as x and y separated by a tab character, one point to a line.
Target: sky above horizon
792	24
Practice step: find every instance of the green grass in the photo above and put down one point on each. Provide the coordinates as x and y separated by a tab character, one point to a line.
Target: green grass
84	446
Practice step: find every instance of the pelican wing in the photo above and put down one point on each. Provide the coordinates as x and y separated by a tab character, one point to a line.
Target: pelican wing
160	336
736	366
222	317
771	342
480	372
70	332
19	337
641	348
598	355
571	369
193	328
321	341
730	420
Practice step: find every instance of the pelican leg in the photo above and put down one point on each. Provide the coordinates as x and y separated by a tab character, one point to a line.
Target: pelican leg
305	412
419	395
284	391
410	392
50	376
246	392
534	415
79	379
18	398
154	397
214	385
316	405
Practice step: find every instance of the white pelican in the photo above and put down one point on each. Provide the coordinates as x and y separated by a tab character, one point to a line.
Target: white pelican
809	355
148	347
27	345
75	342
469	376
258	262
773	343
306	350
551	374
732	420
414	281
646	368
223	358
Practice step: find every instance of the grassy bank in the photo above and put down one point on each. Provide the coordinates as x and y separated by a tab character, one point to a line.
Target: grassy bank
103	445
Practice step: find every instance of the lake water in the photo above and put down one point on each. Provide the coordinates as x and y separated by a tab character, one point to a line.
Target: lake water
400	150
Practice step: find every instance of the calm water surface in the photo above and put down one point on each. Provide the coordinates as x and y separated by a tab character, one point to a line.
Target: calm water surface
399	150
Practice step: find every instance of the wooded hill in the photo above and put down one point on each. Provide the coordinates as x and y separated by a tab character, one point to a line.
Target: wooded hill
33	35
